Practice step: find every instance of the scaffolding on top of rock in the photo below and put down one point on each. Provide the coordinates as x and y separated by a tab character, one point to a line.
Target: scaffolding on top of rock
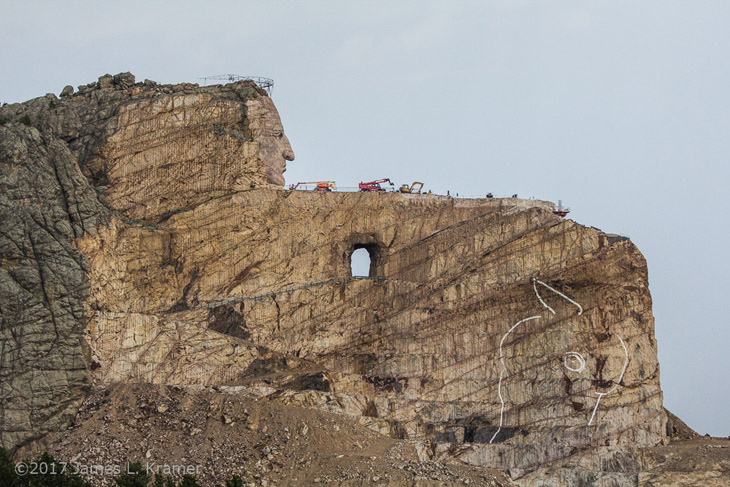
263	83
561	210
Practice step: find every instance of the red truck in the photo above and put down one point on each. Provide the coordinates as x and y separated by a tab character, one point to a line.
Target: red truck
374	185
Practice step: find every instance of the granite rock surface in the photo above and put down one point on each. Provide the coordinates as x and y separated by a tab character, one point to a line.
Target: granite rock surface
146	238
72	165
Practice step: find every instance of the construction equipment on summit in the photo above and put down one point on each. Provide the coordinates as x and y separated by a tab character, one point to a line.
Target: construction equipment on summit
320	185
412	188
374	185
561	210
264	83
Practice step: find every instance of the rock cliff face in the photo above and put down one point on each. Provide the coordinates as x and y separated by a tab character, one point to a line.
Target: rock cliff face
146	238
45	203
432	347
66	166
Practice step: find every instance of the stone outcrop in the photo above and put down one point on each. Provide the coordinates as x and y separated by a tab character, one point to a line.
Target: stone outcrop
491	330
45	203
688	463
66	166
418	346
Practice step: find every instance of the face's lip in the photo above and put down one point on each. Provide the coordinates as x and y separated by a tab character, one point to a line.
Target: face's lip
278	180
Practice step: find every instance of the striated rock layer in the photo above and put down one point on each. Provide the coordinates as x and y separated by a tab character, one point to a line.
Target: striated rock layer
493	329
67	165
418	345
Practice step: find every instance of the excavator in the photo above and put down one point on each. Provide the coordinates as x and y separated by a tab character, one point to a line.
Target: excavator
374	185
320	185
412	188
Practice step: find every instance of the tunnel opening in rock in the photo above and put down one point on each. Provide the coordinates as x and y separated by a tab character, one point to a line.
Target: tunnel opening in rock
363	260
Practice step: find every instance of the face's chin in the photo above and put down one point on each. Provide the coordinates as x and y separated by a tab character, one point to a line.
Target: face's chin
275	177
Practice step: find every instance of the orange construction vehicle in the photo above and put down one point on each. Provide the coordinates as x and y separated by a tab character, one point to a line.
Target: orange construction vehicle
320	185
412	188
374	185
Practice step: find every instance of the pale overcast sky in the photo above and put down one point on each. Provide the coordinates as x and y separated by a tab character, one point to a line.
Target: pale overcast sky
619	108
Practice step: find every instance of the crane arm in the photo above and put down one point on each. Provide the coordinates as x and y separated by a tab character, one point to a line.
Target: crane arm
331	183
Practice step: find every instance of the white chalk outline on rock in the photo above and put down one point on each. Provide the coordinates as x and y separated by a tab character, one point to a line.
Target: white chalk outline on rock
504	369
620	378
534	286
580	311
576	356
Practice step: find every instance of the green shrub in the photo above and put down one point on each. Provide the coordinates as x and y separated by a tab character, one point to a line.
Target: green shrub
189	481
234	481
134	476
7	470
163	481
55	475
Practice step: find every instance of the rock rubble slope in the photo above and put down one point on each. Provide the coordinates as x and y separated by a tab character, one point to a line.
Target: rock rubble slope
146	239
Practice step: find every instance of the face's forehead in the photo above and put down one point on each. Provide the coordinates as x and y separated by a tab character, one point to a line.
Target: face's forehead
263	118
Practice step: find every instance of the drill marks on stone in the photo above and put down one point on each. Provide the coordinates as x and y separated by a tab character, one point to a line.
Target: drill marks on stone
620	378
504	369
569	356
598	401
572	357
534	286
623	370
215	304
537	281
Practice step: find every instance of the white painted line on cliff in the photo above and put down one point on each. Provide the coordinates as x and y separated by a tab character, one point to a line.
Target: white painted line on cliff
620	378
623	370
534	280
501	373
574	356
534	286
598	401
501	411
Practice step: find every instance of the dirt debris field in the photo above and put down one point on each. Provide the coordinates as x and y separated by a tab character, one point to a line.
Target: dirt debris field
220	434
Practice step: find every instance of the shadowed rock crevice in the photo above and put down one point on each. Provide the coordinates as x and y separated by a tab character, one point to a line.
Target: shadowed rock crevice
224	319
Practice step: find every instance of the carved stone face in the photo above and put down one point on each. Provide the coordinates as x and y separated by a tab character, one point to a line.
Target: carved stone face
274	147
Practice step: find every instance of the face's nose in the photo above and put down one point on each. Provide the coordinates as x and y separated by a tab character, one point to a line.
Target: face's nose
288	152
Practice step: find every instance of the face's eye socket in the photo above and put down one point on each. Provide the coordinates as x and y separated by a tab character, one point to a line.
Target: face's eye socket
574	362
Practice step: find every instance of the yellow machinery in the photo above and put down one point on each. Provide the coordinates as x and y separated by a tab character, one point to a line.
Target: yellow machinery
412	188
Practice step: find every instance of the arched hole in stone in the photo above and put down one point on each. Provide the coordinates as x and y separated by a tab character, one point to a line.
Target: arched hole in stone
363	260
360	263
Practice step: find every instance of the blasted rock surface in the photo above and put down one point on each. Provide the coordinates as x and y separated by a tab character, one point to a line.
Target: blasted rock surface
416	349
66	166
228	432
491	330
